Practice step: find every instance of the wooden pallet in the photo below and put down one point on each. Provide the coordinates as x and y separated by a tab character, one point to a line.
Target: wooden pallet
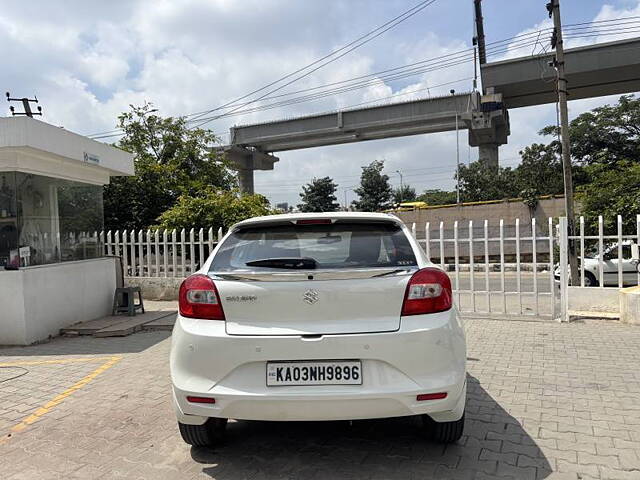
164	323
115	326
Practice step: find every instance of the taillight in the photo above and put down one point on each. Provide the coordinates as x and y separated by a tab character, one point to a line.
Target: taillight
428	291
199	298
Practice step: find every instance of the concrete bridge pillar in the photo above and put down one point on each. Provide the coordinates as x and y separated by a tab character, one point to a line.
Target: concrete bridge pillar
245	161
245	181
488	155
488	125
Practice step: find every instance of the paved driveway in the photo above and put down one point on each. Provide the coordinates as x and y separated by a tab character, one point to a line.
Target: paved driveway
545	401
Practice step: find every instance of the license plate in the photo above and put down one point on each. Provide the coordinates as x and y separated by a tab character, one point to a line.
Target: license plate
340	372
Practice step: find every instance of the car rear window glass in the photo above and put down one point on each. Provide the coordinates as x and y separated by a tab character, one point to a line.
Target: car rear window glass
337	245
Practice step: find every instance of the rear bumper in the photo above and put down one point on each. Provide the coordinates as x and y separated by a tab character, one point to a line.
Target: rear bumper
426	355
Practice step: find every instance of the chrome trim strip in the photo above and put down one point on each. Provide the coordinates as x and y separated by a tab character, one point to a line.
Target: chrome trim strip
316	275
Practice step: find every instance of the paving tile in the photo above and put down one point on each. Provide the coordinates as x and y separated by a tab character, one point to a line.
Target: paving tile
545	401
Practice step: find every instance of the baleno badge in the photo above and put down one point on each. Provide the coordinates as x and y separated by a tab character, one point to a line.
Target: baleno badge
310	296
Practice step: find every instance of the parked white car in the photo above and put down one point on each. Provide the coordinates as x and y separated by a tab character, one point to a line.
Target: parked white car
610	265
333	316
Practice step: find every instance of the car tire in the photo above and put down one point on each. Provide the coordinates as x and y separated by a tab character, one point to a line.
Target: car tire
209	433
590	280
443	432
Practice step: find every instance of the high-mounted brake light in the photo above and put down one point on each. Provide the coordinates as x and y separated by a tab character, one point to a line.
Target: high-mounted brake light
314	221
428	291
198	298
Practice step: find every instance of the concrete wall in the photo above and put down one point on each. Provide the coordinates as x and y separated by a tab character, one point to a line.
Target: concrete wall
594	301
156	288
12	327
38	301
630	305
508	211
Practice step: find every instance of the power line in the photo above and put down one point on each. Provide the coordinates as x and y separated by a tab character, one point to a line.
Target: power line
397	75
394	74
455	58
347	49
357	43
381	80
614	20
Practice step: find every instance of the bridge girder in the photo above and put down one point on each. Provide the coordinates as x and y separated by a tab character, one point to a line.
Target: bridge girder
592	71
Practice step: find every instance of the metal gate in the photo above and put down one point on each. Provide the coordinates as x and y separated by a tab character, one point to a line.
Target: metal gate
498	270
521	271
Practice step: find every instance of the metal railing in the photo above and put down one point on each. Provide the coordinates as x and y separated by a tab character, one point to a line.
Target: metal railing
612	253
491	286
498	269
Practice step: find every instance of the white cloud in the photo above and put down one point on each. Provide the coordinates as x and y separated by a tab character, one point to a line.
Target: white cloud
88	61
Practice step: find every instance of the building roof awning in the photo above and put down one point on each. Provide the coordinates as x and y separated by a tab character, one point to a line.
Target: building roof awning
31	146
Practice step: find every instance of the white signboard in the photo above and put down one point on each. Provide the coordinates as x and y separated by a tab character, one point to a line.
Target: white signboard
91	158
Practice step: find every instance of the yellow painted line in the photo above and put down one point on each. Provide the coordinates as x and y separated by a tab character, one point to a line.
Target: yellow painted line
53	362
58	399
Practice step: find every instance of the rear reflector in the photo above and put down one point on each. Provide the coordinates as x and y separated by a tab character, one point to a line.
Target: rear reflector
431	396
201	400
314	221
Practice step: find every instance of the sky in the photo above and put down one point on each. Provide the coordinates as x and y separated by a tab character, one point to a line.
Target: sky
87	62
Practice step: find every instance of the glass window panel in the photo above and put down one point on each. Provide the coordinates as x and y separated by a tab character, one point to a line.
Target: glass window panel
58	220
8	216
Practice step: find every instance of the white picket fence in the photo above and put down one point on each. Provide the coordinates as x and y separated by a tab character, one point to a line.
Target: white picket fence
498	269
161	253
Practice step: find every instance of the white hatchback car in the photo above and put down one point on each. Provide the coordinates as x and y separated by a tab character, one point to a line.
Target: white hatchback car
333	316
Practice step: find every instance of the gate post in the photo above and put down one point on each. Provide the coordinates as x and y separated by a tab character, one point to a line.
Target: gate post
563	233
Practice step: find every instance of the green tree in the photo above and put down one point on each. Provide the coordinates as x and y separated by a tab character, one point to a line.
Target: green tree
479	183
607	134
613	191
170	160
374	191
319	196
540	171
436	196
605	149
213	209
405	194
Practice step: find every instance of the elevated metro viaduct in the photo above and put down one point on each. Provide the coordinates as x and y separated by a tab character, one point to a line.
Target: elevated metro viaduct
592	71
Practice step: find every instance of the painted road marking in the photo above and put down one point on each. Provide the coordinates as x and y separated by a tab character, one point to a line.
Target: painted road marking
58	399
53	362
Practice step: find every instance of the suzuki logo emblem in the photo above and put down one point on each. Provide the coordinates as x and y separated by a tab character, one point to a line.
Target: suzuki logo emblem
310	296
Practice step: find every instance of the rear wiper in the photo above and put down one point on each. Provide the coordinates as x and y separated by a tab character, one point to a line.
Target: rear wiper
392	272
294	263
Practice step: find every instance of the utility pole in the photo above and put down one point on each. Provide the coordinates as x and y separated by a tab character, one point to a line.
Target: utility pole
479	38
553	7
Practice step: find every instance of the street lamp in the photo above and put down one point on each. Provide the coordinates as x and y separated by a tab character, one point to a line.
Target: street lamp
346	205
401	186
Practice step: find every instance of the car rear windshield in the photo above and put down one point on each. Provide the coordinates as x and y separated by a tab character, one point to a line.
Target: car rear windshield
337	245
